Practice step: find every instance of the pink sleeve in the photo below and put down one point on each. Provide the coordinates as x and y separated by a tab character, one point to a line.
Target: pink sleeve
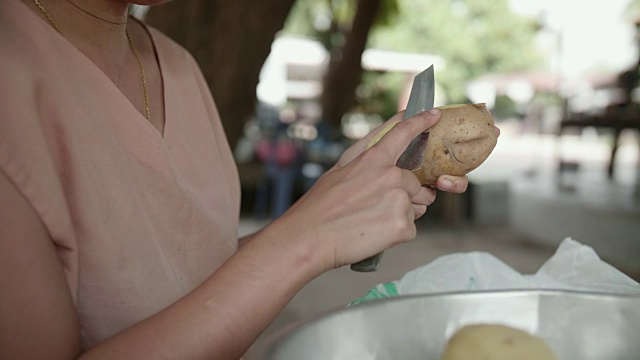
27	161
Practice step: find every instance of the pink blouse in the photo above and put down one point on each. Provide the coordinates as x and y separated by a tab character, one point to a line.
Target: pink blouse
138	218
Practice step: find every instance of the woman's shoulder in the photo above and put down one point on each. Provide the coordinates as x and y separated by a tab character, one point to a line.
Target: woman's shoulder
19	49
17	71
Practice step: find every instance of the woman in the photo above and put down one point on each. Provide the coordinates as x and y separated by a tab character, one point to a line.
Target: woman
120	199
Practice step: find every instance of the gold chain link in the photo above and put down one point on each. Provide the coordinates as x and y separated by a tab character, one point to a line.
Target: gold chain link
133	48
144	78
41	7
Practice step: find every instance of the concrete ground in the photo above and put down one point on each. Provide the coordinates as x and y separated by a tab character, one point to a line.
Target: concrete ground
337	288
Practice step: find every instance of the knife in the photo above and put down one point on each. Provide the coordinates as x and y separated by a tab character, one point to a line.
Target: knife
420	99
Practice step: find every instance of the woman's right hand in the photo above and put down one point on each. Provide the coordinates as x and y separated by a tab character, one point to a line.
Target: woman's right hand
365	205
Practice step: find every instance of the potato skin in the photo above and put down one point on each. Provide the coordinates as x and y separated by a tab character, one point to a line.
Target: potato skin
495	342
461	141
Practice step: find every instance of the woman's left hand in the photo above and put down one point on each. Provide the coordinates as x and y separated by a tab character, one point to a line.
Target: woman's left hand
427	195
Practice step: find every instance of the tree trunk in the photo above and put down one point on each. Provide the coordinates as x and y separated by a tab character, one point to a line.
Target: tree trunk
345	68
230	41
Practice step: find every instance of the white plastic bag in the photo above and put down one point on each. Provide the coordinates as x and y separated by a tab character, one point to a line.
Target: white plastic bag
573	267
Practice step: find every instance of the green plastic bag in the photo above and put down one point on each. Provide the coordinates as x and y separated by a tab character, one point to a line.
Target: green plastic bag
381	291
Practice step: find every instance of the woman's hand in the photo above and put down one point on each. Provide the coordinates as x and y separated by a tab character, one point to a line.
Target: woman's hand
454	184
365	204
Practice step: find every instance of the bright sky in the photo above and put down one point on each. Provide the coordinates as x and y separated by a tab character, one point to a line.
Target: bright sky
595	33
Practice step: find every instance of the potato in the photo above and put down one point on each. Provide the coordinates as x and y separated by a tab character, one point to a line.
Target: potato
495	342
461	141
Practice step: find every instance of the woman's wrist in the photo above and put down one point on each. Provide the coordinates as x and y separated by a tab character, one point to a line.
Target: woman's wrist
299	241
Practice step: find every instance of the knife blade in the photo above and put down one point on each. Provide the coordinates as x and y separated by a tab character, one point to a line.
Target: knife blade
421	99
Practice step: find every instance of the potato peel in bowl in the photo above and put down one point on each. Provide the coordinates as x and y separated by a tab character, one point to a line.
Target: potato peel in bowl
460	142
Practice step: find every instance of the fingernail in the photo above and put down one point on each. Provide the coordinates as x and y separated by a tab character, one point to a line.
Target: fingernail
434	111
445	184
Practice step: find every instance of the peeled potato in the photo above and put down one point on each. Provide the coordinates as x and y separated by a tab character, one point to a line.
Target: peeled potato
495	342
461	141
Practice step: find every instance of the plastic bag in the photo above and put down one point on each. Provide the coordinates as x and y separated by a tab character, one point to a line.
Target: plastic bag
573	267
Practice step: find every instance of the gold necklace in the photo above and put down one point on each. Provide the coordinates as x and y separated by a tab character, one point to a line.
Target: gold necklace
133	48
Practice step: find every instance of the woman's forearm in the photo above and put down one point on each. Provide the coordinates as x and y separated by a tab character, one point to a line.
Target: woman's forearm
224	315
246	239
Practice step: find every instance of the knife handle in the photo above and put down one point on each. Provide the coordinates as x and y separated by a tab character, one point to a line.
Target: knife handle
367	265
